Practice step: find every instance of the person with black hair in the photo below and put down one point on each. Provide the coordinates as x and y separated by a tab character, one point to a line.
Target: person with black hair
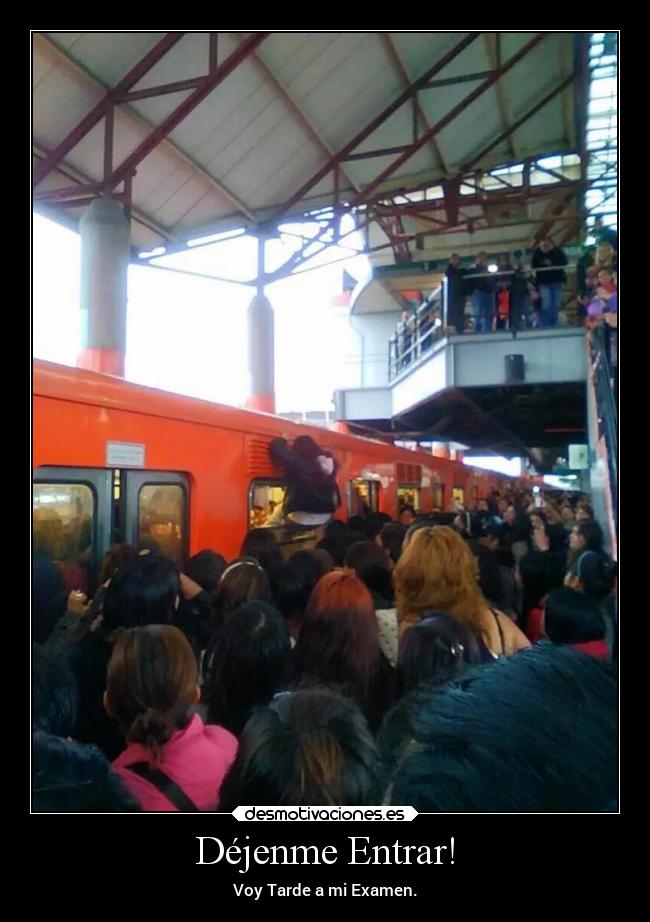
406	515
243	580
536	574
434	651
391	538
248	661
358	524
373	567
573	618
54	694
456	294
291	585
375	522
535	733
549	261
337	537
310	747
587	535
592	573
146	589
261	544
68	777
206	568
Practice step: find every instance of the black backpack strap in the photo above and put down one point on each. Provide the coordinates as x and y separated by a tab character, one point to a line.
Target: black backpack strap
165	785
500	629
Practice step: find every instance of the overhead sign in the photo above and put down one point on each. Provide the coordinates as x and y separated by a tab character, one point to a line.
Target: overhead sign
125	454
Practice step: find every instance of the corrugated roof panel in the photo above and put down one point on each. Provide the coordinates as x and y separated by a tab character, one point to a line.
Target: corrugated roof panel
107	55
420	50
338	91
248	135
546	132
60	101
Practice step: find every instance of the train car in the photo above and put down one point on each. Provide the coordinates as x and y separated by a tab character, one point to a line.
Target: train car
115	461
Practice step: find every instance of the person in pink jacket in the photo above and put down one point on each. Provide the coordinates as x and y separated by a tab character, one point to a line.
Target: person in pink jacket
173	761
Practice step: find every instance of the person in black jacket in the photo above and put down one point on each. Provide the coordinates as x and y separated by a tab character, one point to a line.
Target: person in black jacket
456	294
550	280
482	287
312	495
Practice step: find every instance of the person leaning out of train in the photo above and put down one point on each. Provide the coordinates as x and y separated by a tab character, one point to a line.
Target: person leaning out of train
312	495
437	572
173	761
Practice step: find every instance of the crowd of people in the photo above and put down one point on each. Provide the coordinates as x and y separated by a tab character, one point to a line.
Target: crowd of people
508	295
453	662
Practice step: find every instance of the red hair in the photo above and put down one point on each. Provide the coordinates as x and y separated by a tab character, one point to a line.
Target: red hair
339	638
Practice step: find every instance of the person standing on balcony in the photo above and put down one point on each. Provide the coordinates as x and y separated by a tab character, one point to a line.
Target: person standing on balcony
482	288
550	279
456	294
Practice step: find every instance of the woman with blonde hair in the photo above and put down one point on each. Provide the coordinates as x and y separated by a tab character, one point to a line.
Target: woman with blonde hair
437	571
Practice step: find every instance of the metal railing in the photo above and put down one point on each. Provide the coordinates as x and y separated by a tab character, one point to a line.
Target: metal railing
603	342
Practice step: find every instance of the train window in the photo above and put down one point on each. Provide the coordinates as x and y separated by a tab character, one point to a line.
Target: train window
63	518
161	519
408	495
363	496
266	510
458	496
437	496
266	504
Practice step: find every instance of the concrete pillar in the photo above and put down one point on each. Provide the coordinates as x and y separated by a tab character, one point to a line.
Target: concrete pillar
261	345
261	355
105	237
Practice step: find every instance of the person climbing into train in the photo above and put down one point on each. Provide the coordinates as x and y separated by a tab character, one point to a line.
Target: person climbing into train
312	494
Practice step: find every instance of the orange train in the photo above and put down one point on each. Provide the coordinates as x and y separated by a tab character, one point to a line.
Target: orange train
115	461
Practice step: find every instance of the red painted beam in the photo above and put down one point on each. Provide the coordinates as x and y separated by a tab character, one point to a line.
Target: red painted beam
449	117
381	152
95	115
163	89
452	81
67	192
208	84
520	121
375	123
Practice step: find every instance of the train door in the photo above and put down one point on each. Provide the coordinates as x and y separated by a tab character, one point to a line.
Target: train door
437	495
457	497
154	510
72	521
362	496
408	494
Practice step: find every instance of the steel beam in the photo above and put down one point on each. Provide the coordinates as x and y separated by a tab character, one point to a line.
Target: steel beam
81	178
163	89
374	124
449	117
493	44
95	115
520	121
453	81
418	111
208	84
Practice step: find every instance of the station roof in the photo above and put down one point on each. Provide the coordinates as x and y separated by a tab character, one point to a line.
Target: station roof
216	131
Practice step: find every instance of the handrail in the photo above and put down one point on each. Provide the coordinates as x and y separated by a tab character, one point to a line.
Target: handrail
601	342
